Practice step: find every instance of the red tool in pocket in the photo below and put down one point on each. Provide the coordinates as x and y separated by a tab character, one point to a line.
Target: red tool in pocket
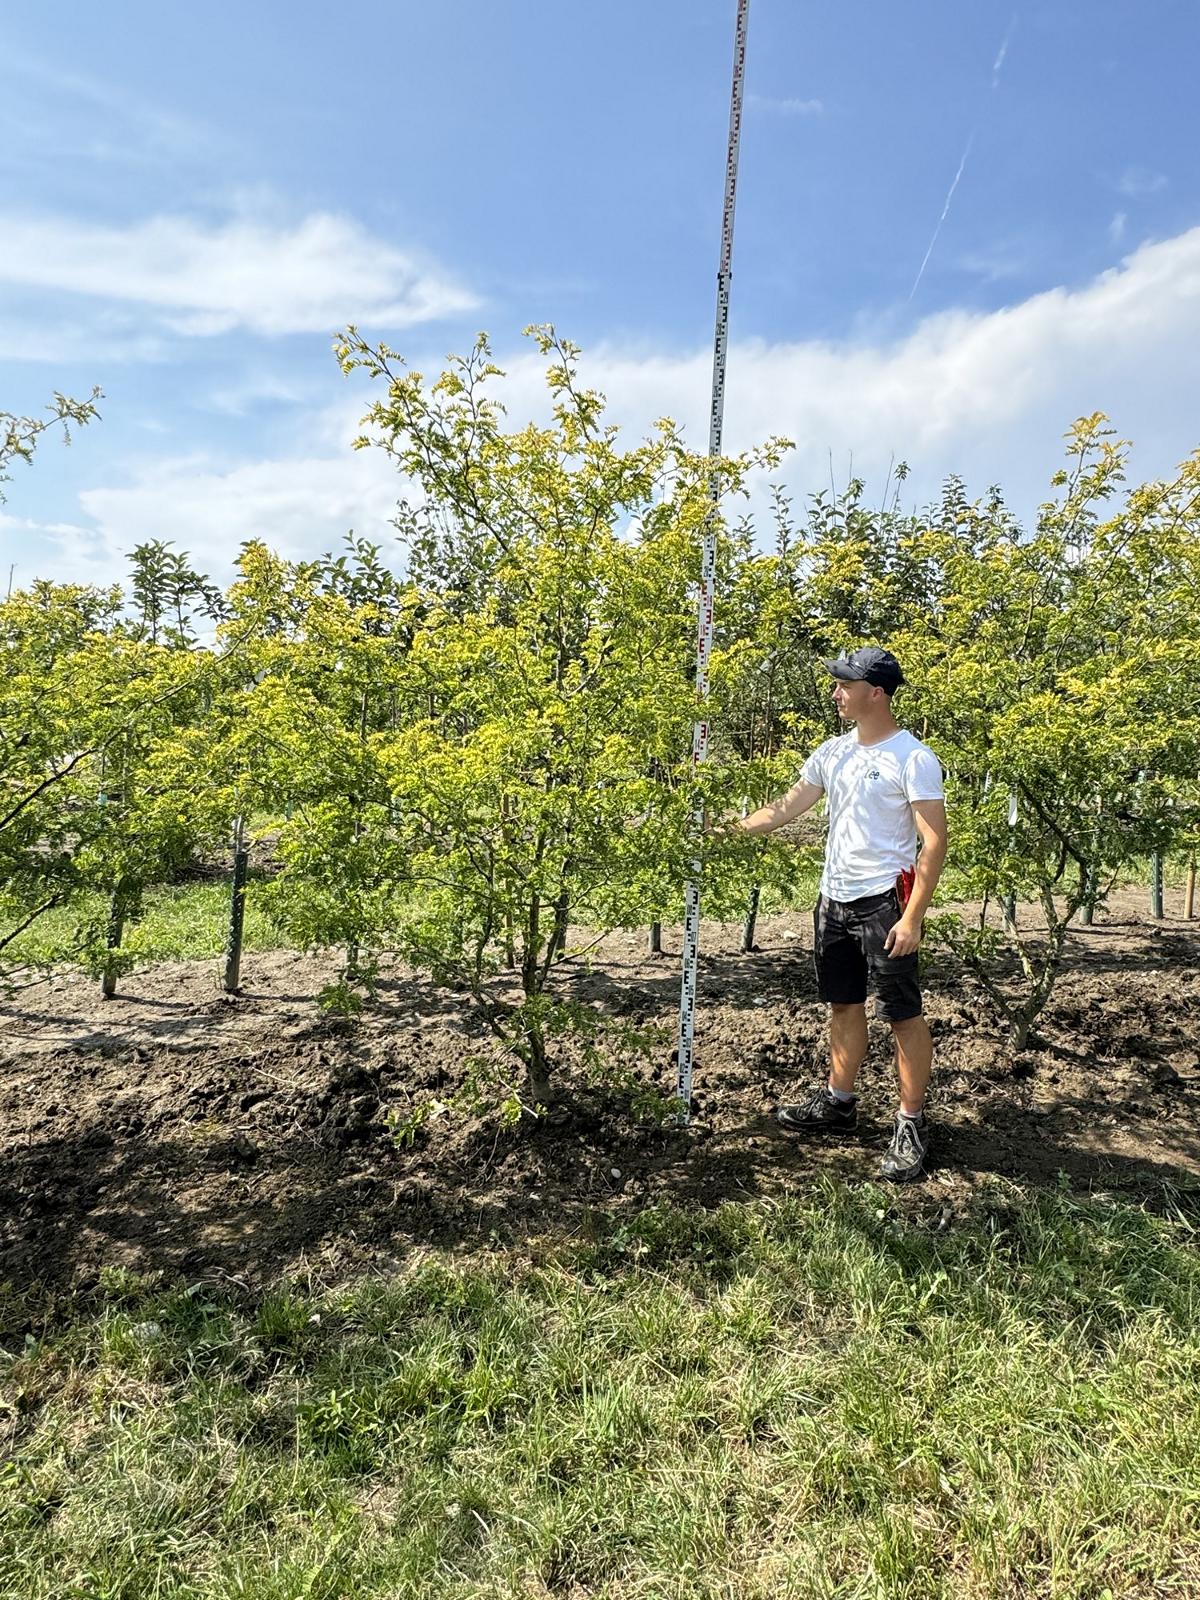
904	886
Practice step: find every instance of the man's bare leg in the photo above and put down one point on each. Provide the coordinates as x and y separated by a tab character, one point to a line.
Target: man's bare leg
914	1062
847	1045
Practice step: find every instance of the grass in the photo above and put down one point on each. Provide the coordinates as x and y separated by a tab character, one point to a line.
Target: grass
190	921
179	921
808	1398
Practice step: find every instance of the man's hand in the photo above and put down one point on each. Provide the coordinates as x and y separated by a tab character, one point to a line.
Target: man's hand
903	938
721	827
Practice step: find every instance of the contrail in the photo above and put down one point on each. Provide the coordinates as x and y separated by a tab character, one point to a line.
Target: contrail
1001	53
997	68
945	211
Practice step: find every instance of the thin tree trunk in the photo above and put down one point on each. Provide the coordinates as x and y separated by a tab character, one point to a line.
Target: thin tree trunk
532	950
510	949
655	947
1156	886
237	909
1039	975
536	1064
1189	891
1023	1019
116	929
748	926
352	949
558	939
541	1090
1018	1031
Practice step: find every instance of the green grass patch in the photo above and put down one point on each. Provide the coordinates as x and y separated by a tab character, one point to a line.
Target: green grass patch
186	921
804	1398
191	920
178	921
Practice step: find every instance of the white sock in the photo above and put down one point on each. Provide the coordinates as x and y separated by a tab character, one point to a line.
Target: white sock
841	1096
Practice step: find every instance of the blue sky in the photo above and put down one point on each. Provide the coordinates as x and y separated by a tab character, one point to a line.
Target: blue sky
192	201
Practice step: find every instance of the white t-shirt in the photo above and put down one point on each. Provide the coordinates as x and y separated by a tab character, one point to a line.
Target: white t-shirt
869	791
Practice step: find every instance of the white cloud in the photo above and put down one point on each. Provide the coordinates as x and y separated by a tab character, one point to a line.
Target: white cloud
210	278
299	507
788	107
994	263
67	552
1116	228
983	394
57	342
254	392
1140	181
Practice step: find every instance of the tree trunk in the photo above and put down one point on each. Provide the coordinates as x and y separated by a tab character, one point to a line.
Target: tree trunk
748	926
1156	886
1088	890
1189	891
537	1067
1043	977
237	909
541	1090
558	938
352	949
655	947
531	954
510	949
1018	1031
116	929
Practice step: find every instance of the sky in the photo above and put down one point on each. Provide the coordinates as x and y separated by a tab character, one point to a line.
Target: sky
959	226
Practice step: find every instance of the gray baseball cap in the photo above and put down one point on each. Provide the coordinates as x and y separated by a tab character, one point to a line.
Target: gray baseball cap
869	665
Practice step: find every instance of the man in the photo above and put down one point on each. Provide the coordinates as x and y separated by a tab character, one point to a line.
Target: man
883	791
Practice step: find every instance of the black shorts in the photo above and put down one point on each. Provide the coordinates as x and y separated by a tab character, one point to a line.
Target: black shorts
850	959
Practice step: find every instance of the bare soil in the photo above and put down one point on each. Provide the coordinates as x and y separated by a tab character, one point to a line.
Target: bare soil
246	1138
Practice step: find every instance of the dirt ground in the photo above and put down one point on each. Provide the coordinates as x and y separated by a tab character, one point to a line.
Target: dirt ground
246	1138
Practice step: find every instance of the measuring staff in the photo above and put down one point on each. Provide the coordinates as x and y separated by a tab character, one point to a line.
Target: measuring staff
685	1049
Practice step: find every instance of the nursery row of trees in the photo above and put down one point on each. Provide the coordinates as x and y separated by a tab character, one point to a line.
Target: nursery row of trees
470	762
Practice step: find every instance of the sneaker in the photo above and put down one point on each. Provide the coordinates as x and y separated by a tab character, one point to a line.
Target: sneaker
822	1114
905	1158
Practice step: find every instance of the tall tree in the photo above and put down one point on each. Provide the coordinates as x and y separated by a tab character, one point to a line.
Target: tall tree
555	655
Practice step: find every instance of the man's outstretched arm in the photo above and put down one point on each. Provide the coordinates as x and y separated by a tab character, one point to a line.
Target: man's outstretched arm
801	797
